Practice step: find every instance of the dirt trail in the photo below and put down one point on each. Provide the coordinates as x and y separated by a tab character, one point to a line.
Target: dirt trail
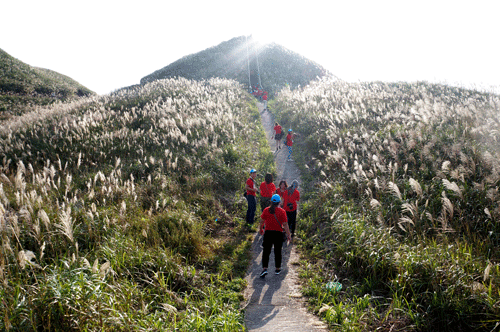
275	303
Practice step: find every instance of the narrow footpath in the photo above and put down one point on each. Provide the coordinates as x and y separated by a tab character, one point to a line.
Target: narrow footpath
275	303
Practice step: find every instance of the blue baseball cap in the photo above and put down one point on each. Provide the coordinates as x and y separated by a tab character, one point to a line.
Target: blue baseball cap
276	198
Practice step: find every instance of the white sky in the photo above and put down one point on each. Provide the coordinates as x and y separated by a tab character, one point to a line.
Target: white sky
108	44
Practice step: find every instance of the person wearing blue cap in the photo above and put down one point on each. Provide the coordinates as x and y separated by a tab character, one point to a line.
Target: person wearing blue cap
289	143
273	220
251	193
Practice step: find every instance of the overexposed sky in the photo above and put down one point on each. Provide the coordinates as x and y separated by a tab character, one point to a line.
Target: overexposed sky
108	44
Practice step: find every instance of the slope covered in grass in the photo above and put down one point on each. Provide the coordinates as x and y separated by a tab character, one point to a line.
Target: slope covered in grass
231	59
406	211
22	87
123	212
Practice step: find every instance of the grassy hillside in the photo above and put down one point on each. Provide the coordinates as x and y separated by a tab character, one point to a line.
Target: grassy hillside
406	209
23	87
124	213
277	65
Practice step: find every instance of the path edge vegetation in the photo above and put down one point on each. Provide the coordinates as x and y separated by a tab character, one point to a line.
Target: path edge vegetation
125	212
395	275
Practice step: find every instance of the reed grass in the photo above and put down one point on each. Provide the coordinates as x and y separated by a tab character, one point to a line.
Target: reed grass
122	212
405	206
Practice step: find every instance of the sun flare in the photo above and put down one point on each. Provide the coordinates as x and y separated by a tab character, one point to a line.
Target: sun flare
262	37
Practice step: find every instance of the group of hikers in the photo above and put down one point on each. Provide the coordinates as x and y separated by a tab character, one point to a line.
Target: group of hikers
278	136
278	217
260	94
278	205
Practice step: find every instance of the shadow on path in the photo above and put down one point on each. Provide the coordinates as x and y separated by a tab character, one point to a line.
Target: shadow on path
274	303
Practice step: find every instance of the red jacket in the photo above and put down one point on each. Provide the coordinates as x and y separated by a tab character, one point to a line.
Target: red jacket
251	183
291	198
267	190
270	222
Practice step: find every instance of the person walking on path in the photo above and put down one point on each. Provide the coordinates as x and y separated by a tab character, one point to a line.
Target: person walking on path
267	189
282	188
290	199
278	135
264	100
289	143
273	220
277	304
251	191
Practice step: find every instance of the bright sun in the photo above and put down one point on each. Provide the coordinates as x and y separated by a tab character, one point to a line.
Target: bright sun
263	37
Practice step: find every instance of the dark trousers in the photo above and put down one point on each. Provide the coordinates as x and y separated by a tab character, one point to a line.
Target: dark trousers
292	220
272	238
252	206
264	202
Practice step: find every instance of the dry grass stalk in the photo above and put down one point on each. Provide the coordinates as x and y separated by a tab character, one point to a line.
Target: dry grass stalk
66	223
487	271
416	187
394	190
452	186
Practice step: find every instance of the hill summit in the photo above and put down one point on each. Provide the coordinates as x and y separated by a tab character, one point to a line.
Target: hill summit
245	60
23	86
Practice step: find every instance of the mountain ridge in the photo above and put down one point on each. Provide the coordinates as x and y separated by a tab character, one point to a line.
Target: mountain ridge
244	60
23	86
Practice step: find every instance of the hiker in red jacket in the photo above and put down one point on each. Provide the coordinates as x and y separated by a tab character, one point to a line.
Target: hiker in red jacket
251	192
267	189
290	198
282	188
278	135
264	99
274	221
289	143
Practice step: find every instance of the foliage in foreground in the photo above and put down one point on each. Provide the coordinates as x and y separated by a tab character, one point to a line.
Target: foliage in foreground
119	212
409	215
